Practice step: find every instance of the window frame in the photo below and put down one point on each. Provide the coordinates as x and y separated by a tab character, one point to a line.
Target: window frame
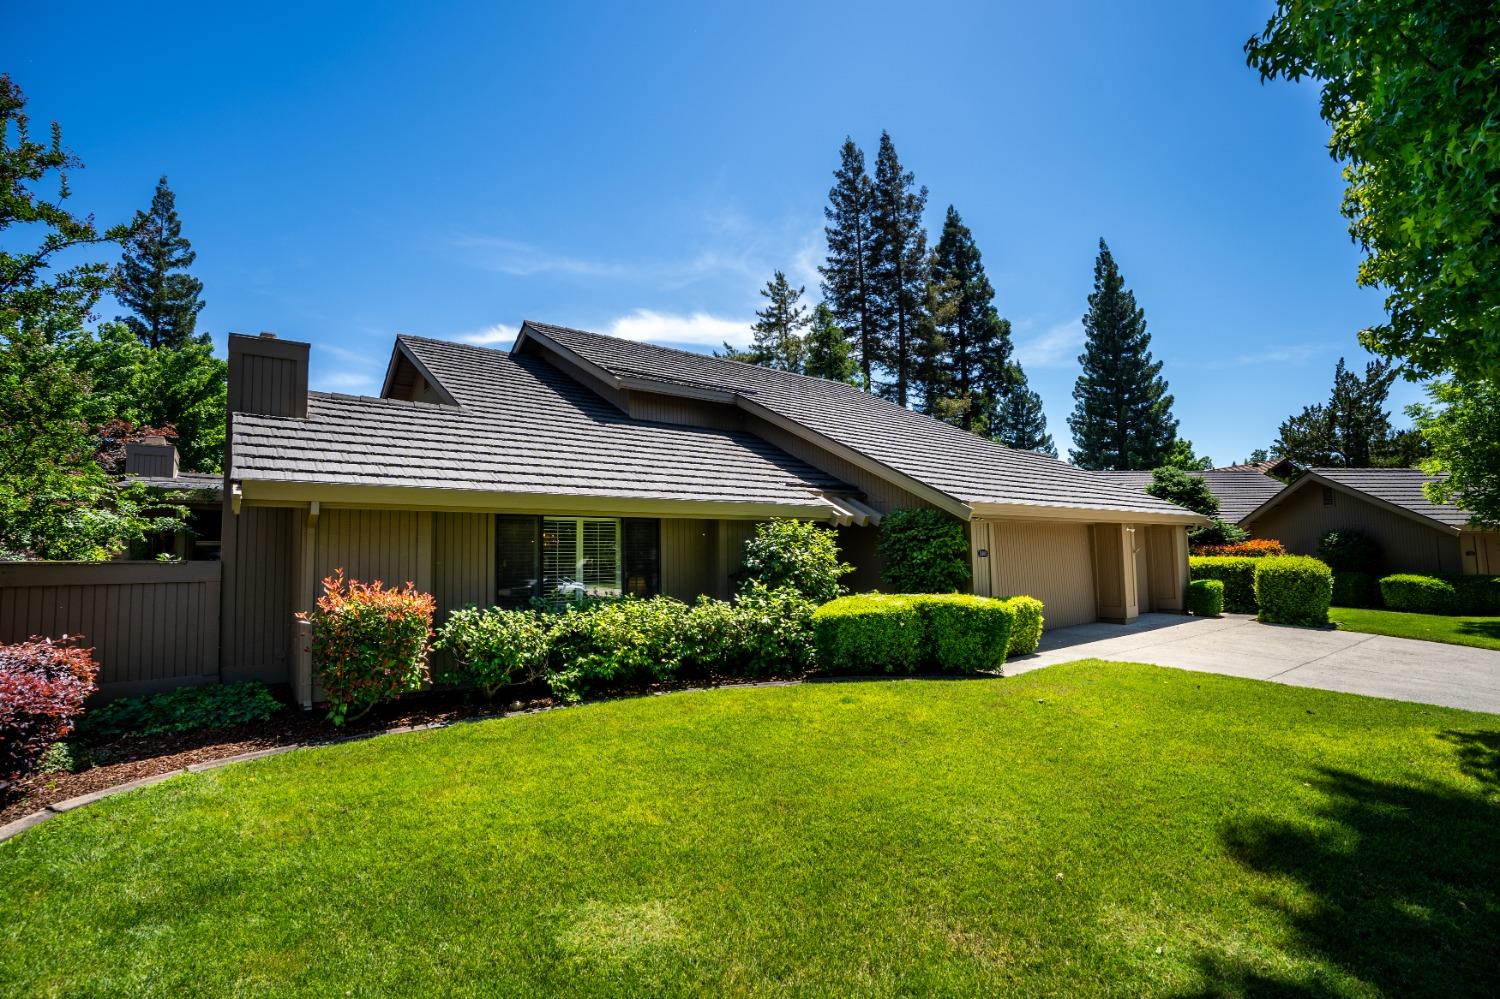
581	560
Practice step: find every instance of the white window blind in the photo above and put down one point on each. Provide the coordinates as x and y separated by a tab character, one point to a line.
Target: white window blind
580	556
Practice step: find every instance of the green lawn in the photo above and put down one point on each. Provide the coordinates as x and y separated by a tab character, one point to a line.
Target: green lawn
1480	632
1095	828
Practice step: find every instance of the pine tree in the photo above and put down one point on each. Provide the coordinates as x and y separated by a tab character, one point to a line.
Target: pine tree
1122	418
846	278
1019	420
898	269
153	283
966	357
1353	429
777	331
826	349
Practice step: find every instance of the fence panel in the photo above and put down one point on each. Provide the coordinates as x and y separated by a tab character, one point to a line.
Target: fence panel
152	625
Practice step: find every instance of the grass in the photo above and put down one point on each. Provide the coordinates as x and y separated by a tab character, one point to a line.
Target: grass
1480	632
1094	828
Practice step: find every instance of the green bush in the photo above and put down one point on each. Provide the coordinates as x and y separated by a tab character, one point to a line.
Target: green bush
795	554
1354	589
965	633
869	633
1026	631
1476	594
1190	491
1205	597
1422	594
775	632
1293	589
492	648
624	641
212	705
369	643
1237	573
1351	551
925	551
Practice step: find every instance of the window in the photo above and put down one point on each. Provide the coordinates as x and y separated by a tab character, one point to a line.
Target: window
580	557
1328	496
516	554
641	556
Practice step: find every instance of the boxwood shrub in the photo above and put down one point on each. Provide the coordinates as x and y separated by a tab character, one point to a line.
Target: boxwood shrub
869	633
965	633
1026	631
1405	591
1237	573
1293	589
1477	594
1205	597
1355	589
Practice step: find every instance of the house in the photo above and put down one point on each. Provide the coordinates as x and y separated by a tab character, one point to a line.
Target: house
1240	489
152	462
1389	504
580	463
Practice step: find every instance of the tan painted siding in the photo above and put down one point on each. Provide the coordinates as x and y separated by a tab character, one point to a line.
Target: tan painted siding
1166	557
463	561
1051	562
688	412
1302	518
1485	546
879	493
1140	545
688	549
390	545
152	626
1114	586
260	588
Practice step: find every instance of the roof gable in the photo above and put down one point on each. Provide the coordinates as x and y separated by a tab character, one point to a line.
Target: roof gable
1396	489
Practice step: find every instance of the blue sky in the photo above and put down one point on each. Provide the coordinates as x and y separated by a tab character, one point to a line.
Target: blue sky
349	171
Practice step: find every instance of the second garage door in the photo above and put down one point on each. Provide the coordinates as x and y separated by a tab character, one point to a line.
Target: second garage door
1052	562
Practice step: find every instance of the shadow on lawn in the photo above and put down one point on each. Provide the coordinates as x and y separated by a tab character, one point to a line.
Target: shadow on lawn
1404	881
1482	628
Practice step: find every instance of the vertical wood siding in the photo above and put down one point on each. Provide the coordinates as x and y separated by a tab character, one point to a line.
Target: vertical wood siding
463	561
275	386
259	594
1051	562
152	625
688	549
688	412
1302	518
394	546
1485	546
1166	555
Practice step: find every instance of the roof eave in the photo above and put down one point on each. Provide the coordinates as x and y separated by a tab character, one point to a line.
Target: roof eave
1309	476
1088	514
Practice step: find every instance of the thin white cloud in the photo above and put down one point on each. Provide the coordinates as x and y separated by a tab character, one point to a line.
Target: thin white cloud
350	382
1055	347
518	259
804	269
491	336
698	328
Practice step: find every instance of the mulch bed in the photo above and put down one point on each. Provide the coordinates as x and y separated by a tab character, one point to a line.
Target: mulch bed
125	760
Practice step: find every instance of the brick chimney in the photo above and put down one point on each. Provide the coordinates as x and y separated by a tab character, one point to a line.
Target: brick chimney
267	376
155	457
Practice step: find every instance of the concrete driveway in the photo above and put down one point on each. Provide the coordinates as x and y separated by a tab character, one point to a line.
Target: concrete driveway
1238	645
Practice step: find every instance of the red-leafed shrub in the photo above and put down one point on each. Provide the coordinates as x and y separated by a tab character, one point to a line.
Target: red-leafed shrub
369	643
43	685
1249	548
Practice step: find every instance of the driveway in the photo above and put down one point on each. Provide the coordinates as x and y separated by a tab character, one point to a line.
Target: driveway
1237	645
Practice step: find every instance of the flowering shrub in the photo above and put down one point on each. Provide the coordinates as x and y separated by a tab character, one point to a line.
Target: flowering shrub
369	643
1249	548
43	685
493	648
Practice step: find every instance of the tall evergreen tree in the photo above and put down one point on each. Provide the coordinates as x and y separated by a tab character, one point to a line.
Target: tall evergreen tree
1122	418
153	282
826	349
1353	429
968	361
1019	419
846	273
778	327
898	269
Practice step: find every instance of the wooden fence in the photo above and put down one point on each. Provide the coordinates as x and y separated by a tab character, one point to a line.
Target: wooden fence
152	625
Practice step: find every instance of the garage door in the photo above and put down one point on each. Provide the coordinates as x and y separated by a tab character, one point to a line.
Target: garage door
1052	562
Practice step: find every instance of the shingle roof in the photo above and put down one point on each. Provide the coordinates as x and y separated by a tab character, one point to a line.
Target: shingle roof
1401	487
959	464
194	482
522	426
1238	492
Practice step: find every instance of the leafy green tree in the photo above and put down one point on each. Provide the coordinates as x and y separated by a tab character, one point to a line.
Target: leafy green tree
153	283
967	365
826	349
1122	416
1020	422
1353	429
778	327
1184	457
1411	90
55	500
1462	425
796	554
1176	486
898	269
846	273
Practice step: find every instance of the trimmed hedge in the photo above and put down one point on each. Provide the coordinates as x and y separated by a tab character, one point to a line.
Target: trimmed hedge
1293	589
965	633
1408	591
1205	597
1026	630
1237	573
869	633
1355	589
1477	594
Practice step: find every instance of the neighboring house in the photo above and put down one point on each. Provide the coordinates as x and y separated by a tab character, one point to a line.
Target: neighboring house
583	463
1389	504
153	463
1239	489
